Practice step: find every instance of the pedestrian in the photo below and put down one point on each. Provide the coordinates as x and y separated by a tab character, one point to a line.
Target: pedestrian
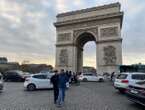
69	76
112	76
54	80
63	79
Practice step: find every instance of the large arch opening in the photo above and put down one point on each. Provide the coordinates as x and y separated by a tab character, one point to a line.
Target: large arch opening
82	40
89	57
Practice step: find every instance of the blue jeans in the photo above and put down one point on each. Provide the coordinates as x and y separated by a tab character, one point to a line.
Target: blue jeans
61	96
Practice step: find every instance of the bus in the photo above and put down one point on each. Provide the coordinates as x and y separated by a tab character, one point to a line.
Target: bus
132	68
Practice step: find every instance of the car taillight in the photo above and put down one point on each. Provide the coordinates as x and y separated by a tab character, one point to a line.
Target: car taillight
124	81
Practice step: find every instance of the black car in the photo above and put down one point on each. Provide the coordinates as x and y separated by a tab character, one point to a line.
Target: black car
14	76
136	93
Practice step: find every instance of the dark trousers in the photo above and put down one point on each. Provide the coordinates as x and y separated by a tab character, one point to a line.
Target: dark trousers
56	92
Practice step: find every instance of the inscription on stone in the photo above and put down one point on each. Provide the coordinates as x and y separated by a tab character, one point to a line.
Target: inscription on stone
110	55
109	32
63	57
64	37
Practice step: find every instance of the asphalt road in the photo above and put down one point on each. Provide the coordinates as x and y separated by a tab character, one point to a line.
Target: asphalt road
87	96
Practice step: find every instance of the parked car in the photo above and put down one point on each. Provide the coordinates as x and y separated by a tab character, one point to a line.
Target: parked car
26	74
90	77
49	74
124	79
14	75
106	75
136	92
1	82
38	81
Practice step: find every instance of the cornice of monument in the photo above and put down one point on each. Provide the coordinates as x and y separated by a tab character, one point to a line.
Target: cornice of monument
100	17
117	4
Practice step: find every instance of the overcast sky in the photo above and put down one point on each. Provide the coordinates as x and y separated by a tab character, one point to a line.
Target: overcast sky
27	31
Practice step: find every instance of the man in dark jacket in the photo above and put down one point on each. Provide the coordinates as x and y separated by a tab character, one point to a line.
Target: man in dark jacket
54	80
63	79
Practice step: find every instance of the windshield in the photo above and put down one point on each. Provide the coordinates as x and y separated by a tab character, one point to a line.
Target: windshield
122	76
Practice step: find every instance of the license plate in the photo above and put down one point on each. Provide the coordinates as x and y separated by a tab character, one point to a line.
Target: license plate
133	91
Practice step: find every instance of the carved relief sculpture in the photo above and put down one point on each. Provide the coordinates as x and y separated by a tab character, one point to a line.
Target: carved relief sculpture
109	32
110	55
76	33
64	37
63	57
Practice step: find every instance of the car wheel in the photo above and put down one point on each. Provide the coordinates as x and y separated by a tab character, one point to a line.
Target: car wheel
85	79
31	87
101	80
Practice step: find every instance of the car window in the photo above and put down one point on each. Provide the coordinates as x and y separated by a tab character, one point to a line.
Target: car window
7	73
49	76
138	76
122	76
11	73
40	76
88	74
0	76
14	73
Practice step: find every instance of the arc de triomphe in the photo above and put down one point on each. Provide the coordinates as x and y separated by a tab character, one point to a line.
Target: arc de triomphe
100	24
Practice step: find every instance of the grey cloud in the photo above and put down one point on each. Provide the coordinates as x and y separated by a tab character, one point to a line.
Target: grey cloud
35	33
32	35
133	33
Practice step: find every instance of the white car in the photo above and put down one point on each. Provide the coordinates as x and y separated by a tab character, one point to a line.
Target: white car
90	77
38	81
123	80
1	82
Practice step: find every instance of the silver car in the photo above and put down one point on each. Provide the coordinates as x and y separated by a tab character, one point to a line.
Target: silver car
1	82
123	80
91	77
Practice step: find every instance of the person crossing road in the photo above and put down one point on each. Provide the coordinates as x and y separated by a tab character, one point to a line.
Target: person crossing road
54	80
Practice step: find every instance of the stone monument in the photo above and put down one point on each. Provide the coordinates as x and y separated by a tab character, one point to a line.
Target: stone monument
101	24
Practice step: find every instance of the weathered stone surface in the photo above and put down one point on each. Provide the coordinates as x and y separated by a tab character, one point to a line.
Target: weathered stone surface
109	32
64	37
79	32
109	55
63	58
89	13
